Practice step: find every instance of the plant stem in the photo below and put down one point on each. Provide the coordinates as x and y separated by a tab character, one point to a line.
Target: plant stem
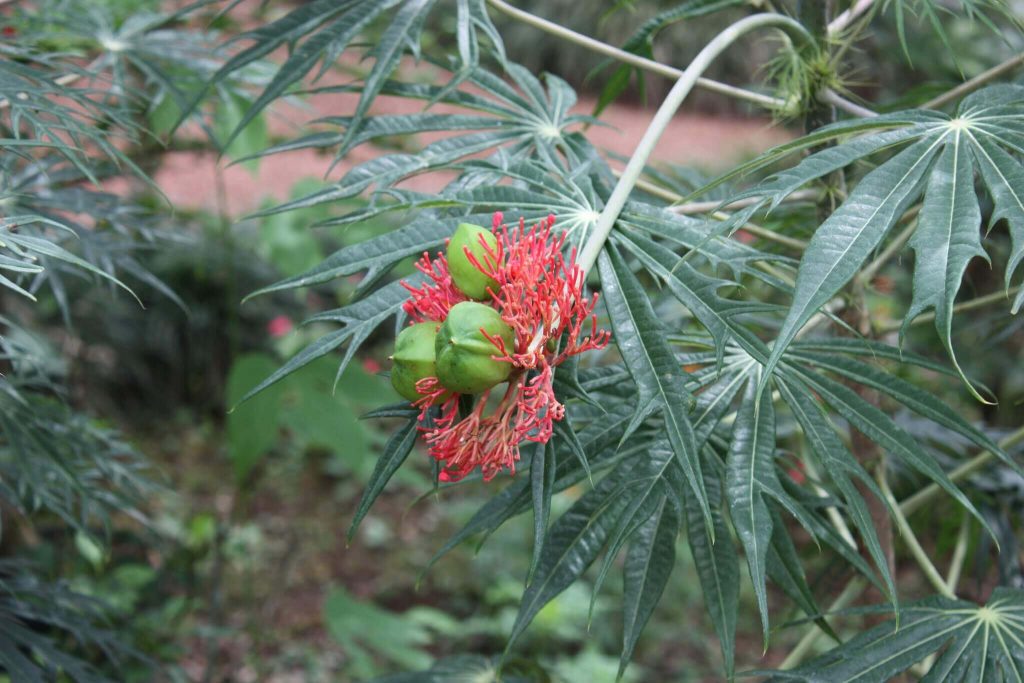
913	503
630	58
849	594
847	17
617	200
930	572
956	564
925	495
692	208
980	302
830	96
975	83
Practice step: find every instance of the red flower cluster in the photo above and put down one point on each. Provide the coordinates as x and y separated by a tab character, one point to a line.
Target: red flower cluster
540	296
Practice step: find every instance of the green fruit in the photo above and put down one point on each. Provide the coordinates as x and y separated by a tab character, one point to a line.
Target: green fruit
465	275
463	353
413	358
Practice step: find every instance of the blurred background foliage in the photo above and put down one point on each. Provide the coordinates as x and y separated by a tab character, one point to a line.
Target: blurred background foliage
241	570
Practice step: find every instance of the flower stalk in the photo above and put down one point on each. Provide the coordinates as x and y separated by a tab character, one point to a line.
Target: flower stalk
676	96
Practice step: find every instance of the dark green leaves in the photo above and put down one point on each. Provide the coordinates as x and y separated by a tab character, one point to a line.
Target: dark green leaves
750	476
649	562
976	643
659	379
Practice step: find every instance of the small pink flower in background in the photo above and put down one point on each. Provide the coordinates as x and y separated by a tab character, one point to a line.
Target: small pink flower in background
371	366
540	296
280	326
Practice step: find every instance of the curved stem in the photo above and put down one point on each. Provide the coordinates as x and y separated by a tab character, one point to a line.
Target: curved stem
956	565
913	545
830	96
630	58
849	594
848	16
975	83
617	200
925	495
959	308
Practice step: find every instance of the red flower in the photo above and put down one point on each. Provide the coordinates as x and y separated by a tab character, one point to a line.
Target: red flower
540	296
280	326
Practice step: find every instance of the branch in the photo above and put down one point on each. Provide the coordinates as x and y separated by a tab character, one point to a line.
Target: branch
975	83
907	507
930	572
695	208
980	302
830	96
630	58
617	200
925	495
846	18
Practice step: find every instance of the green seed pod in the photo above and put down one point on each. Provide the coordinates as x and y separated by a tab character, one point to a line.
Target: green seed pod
463	353
413	358
465	275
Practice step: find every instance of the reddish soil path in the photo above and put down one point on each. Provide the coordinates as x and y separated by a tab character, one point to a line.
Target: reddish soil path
189	179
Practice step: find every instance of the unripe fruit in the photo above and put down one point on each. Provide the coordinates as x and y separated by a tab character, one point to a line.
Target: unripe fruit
463	353
413	358
465	275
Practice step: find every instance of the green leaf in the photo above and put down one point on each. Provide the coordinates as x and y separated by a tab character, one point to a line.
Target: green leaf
397	449
880	428
839	465
977	643
253	427
404	30
336	37
649	562
360	319
571	546
659	379
718	567
750	474
922	402
843	242
542	484
1004	178
947	238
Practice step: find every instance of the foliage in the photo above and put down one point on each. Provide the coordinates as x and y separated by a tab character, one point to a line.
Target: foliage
765	392
711	392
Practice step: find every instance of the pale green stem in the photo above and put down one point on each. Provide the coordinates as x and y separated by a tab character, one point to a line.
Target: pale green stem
848	16
910	505
630	58
868	272
913	545
830	96
849	594
833	513
617	200
692	208
980	302
925	495
956	565
975	83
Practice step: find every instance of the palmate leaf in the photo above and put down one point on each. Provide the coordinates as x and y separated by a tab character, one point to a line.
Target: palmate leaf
659	379
973	643
750	476
360	319
717	563
940	162
322	30
530	122
649	562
